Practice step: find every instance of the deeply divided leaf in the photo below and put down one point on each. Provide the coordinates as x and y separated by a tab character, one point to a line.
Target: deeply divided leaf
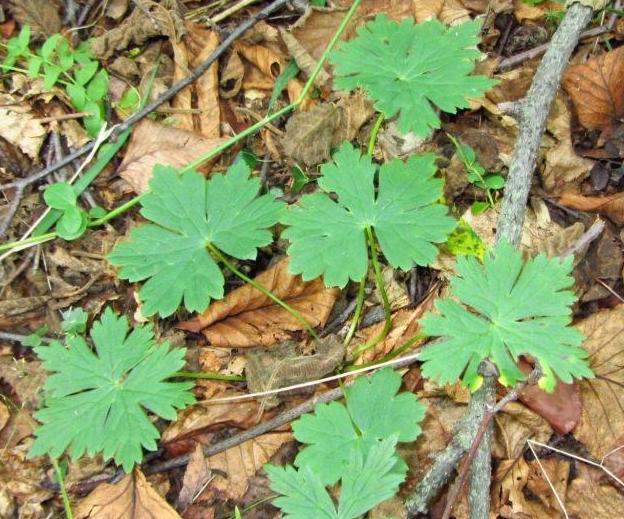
374	411
329	237
508	308
411	69
96	400
188	214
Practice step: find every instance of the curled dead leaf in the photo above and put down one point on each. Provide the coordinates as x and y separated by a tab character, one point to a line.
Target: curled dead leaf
153	143
247	318
611	206
303	59
131	498
20	127
597	90
196	476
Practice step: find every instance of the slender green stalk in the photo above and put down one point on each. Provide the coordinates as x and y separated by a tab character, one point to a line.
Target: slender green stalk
407	345
384	297
64	495
209	376
33	240
217	254
358	312
230	142
374	132
360	296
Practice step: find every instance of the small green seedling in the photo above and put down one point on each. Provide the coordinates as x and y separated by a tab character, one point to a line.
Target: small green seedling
329	237
75	321
96	398
193	220
503	309
73	221
409	69
74	70
478	176
464	241
354	444
35	339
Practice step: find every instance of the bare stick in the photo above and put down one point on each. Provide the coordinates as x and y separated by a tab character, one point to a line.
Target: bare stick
149	108
533	111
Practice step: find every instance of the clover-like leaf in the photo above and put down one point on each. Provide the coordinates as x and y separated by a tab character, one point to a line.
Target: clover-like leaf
329	238
406	68
189	214
374	411
510	308
95	401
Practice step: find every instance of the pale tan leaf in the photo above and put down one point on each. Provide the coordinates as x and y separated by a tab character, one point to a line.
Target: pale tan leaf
427	9
611	206
232	76
24	378
131	498
602	417
42	15
563	167
514	426
198	43
196	476
211	417
526	11
247	318
153	143
268	61
590	498
597	90
20	127
454	13
4	415
240	463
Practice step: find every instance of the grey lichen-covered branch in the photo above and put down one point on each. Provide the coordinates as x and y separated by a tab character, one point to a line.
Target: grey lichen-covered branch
531	113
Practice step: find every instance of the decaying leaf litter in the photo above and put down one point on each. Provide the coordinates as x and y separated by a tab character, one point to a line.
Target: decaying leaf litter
144	47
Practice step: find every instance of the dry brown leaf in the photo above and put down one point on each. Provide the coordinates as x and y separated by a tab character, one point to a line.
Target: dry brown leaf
23	479
454	13
304	61
404	327
161	18
309	135
285	365
247	318
131	498
427	9
20	127
266	60
589	498
611	206
602	418
232	76
42	15
526	11
153	143
196	476
514	426
24	378
563	168
597	90
4	415
210	417
240	463
198	43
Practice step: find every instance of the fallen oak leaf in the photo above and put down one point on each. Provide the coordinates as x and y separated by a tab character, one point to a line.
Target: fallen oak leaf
597	91
131	498
153	143
247	318
611	206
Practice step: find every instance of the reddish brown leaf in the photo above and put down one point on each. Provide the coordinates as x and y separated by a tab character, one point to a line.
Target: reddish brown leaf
247	318
611	206
597	90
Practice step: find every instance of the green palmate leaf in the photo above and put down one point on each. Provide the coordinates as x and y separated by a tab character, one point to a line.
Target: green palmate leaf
517	309
189	214
374	411
369	480
95	401
406	68
328	238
